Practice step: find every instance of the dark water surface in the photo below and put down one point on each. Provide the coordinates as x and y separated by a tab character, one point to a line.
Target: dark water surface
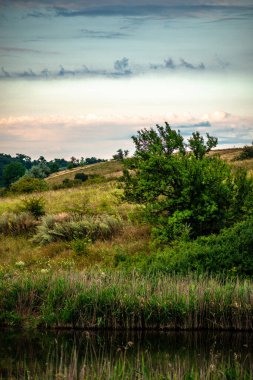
79	355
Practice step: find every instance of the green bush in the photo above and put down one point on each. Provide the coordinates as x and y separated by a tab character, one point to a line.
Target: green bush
16	224
28	185
184	193
81	176
247	153
34	205
67	184
76	227
80	246
229	253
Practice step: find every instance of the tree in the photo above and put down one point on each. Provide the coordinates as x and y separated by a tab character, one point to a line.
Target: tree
12	172
183	192
120	155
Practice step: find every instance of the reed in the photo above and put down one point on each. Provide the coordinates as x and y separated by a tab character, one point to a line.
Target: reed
113	300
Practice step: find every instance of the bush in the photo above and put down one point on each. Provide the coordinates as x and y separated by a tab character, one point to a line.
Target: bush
28	185
247	153
229	253
184	192
76	227
67	184
16	224
34	205
81	176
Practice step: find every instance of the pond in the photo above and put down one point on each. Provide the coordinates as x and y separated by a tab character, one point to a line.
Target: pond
80	355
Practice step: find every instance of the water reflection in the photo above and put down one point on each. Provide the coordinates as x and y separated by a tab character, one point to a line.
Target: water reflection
82	355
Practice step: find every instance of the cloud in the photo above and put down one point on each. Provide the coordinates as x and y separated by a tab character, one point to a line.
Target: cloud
160	8
25	50
190	66
122	66
5	73
100	34
170	64
200	124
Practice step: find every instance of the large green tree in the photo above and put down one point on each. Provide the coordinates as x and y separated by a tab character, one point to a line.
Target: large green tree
184	191
12	172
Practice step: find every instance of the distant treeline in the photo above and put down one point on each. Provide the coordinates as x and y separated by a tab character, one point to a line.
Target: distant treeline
12	168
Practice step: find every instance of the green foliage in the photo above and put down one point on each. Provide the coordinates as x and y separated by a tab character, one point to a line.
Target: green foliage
76	227
81	176
12	172
228	253
80	246
185	194
34	205
198	146
17	223
39	171
120	155
247	153
28	185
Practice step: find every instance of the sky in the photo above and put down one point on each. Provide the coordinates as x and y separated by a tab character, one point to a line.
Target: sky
79	78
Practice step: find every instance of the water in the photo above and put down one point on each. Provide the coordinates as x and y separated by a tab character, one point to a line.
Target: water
83	355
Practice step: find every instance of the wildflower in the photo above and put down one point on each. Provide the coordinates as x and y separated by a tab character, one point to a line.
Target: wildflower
20	264
44	270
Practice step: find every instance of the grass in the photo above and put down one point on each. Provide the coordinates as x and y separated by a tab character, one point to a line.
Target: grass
116	300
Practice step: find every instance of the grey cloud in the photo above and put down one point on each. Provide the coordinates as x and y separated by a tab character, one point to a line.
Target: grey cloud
189	65
28	74
122	66
5	73
26	50
171	65
196	125
162	8
101	34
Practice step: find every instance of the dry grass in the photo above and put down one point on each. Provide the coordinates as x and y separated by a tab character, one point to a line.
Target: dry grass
108	169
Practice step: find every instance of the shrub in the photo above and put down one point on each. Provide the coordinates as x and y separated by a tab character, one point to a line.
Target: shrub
184	192
229	253
28	185
80	246
76	227
247	153
81	176
34	205
16	224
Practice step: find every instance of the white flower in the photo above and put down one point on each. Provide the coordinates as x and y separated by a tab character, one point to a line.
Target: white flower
19	264
44	270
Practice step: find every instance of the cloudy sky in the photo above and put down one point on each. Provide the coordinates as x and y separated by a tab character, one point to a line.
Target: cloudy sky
81	77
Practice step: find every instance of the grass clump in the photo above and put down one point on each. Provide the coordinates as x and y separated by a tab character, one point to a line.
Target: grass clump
15	224
73	227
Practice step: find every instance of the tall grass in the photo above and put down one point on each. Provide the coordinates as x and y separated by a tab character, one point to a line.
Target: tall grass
126	301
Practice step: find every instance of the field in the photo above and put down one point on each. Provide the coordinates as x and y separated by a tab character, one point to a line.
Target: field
109	268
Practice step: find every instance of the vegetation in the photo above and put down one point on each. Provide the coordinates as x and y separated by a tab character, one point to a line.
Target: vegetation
246	153
12	172
28	184
80	249
185	194
125	301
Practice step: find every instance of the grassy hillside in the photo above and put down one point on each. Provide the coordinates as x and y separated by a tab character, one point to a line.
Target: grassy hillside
99	197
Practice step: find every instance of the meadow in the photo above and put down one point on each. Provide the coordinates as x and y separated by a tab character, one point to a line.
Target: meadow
88	261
